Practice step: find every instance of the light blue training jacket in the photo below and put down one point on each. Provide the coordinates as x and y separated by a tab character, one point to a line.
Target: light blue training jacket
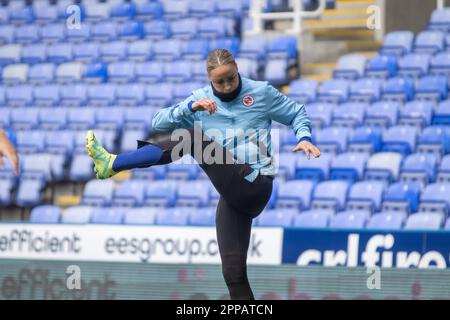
242	125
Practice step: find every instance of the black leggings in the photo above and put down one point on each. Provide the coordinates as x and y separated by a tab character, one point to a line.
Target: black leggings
240	201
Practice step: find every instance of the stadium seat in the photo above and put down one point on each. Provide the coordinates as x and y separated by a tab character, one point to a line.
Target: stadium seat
400	139
330	195
303	90
7	34
416	113
159	94
295	194
334	91
284	47
440	20
432	88
129	138
161	193
19	96
24	119
201	9
102	94
137	118
104	31
348	166
193	193
350	66
382	113
95	72
420	167
80	118
43	13
402	196
413	65
140	216
81	168
320	114
86	52
30	141
287	165
398	89
424	221
436	198
177	71
253	48
275	71
10	53
140	50
112	215
381	66
350	114
366	195
386	220
440	64
52	33
397	43
129	194
27	34
130	94
333	139
121	72
76	35
184	28
316	169
110	118
196	50
383	166
149	11
69	72
214	27
157	30
429	41
15	74
45	214
42	73
313	219
59	52
249	68
77	215
231	43
444	170
98	192
173	216
167	49
350	219
21	15
59	142
130	30
366	90
435	140
113	51
277	217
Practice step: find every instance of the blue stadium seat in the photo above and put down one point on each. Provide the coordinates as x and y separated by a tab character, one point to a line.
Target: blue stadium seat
21	95
350	114
167	49
157	30
150	72
398	89
59	52
214	27
59	142
149	11
140	216
161	193
159	94
80	118
320	114
295	194
4	15
382	113
397	43
436	198
232	44
183	90
383	166
54	32
110	118
105	137
52	119
98	192
113	51
195	49
24	119
30	141
442	114
129	193
112	215
140	50
10	53
86	52
45	14
287	165
402	196
102	94
440	20
348	166
21	15
193	193
282	48
96	12
316	169
69	72
81	168
15	74
386	220
130	94
231	8
203	216
365	90
435	140
440	64
173	216
180	170
366	195
137	118
201	9
419	167
175	9
249	68
123	11
333	139
7	34
253	48
334	91
29	192
416	113
313	219
184	28
303	90
277	218
429	42
41	73
350	66
121	72
177	71
77	215
79	35
413	65
447	224
95	72
400	139
432	88
5	117
330	195
45	214
424	221
350	219
444	170
130	30
27	34
276	71
381	66
128	140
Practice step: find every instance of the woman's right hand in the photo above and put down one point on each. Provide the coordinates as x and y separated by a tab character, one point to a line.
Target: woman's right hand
205	104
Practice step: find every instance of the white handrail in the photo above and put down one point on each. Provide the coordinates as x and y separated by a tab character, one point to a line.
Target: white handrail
258	16
440	4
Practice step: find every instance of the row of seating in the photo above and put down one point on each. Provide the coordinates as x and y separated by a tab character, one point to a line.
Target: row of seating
351	219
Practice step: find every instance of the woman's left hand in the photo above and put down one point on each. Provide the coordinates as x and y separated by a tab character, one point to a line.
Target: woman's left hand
307	147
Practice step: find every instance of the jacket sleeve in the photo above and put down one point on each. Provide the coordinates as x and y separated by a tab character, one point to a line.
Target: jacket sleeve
288	112
177	116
